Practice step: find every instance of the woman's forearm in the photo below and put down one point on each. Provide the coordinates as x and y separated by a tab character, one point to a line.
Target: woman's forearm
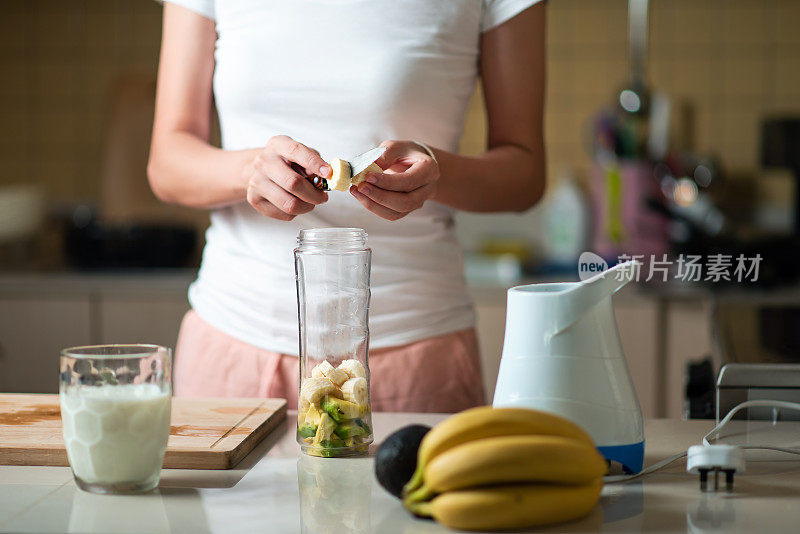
510	176
504	178
186	170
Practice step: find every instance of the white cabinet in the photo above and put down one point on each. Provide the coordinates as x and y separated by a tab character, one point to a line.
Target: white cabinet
639	321
491	325
40	314
688	337
33	330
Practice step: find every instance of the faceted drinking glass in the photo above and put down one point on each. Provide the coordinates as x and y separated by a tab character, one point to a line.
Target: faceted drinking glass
115	413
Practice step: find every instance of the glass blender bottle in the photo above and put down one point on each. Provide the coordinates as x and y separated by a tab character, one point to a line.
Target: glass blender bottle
332	267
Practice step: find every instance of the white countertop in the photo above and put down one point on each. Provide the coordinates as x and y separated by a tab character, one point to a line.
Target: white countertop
275	490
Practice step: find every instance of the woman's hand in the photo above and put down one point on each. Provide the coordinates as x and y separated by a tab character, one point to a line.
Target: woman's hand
409	178
278	191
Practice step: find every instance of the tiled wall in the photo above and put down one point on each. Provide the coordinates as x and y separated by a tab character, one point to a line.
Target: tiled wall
59	59
733	60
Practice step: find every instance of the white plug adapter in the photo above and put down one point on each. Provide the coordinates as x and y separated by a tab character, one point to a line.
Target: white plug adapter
705	459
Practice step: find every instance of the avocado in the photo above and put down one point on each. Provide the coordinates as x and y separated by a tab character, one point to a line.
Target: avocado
324	429
364	425
307	430
313	415
330	447
332	443
339	409
396	458
349	430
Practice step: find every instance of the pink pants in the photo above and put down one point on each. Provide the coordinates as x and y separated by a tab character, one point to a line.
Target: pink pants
439	374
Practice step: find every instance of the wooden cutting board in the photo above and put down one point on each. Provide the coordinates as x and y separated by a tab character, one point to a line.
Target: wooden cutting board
205	433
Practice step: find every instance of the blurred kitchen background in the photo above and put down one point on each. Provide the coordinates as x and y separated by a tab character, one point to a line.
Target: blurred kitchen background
672	127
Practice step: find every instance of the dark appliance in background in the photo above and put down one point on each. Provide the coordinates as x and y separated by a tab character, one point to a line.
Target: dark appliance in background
699	390
96	245
780	147
708	230
129	228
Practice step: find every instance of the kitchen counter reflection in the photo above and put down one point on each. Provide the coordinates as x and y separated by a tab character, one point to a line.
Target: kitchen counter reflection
335	494
277	490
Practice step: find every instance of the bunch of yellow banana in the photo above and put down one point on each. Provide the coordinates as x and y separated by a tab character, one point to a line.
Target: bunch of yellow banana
503	468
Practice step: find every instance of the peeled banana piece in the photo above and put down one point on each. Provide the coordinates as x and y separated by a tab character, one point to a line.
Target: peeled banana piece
340	175
514	459
511	507
315	388
353	368
488	422
319	370
325	369
360	177
355	390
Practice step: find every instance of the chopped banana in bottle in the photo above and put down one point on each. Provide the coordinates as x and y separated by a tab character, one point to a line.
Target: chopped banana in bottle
335	402
353	368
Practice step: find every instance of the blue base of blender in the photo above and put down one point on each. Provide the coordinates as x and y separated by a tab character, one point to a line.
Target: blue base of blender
630	456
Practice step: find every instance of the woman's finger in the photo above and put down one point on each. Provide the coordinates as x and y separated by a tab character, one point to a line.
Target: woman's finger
394	151
285	201
280	198
299	153
420	173
396	201
282	174
374	207
265	207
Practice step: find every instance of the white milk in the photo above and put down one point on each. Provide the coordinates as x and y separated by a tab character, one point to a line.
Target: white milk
116	434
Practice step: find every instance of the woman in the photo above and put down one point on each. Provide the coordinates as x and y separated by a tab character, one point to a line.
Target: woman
305	81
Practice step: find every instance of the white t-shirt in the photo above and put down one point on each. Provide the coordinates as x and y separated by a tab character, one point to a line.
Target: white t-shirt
341	76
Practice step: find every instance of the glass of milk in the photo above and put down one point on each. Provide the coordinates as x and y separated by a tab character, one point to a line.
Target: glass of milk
115	413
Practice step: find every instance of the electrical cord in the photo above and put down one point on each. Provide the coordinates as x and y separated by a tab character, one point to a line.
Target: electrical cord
611	479
644	472
749	404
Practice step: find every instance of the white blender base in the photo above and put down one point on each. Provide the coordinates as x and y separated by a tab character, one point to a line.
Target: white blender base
618	443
